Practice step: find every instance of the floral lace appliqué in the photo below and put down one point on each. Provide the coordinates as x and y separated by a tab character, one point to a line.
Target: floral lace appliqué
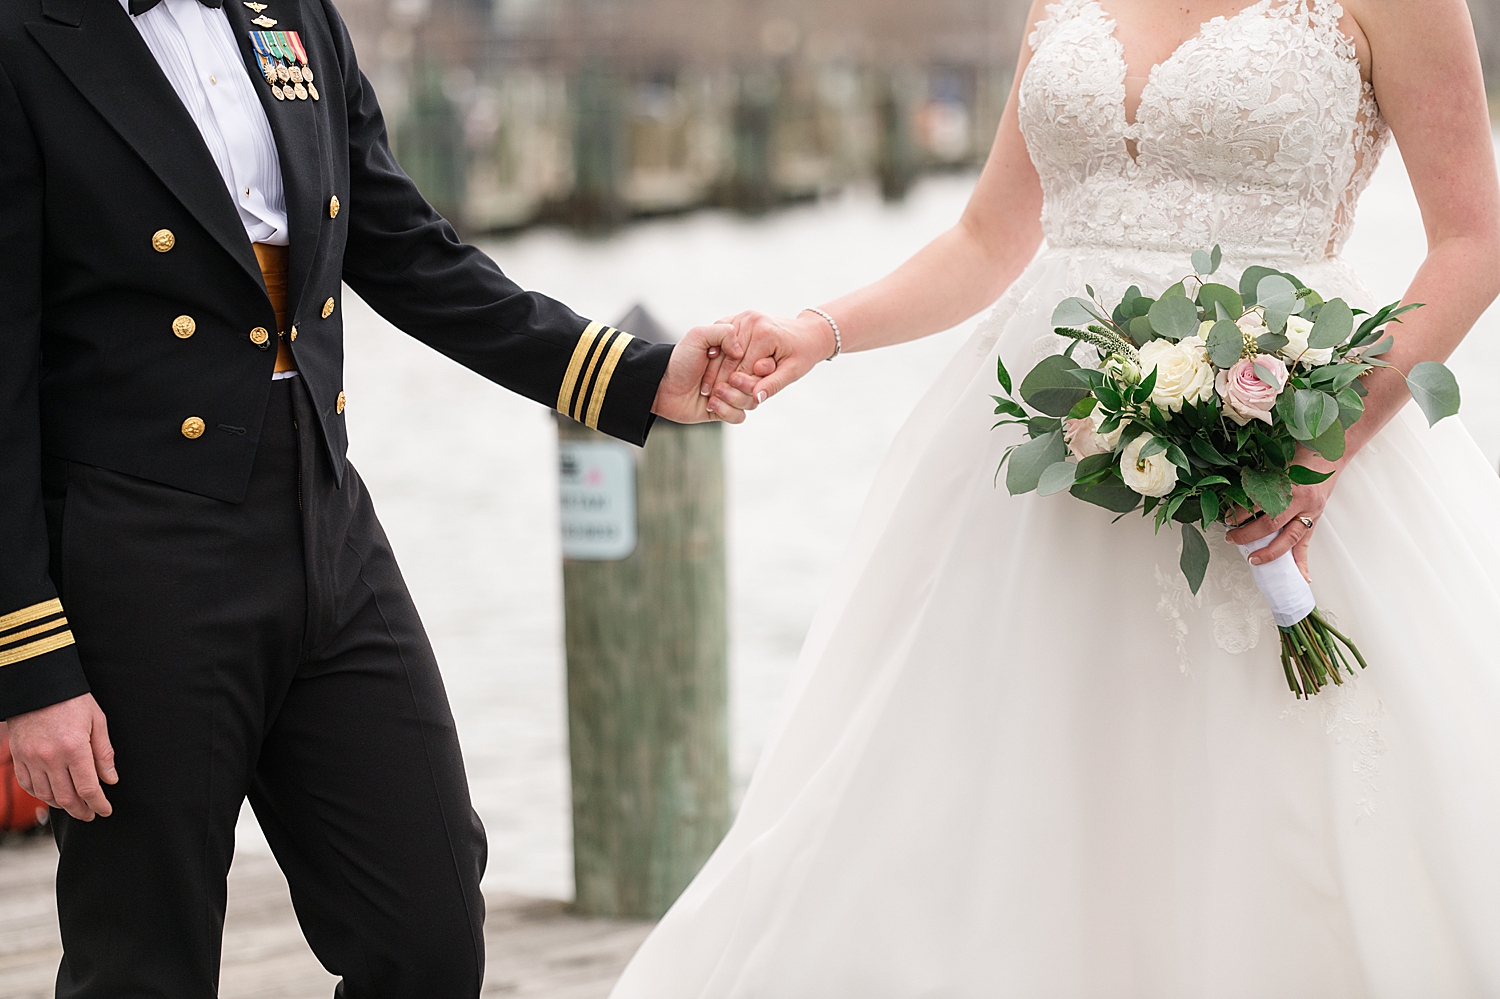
1258	133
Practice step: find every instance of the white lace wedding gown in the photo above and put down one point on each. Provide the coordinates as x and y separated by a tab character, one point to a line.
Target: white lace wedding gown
1019	759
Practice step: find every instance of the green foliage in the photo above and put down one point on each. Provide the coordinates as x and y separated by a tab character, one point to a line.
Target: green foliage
1031	459
1174	317
1269	489
1435	389
1050	388
1002	375
1304	476
1056	477
1194	561
1330	443
1211	295
1335	323
1225	343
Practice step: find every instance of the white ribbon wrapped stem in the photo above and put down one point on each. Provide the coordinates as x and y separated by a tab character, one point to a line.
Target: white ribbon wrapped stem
1281	583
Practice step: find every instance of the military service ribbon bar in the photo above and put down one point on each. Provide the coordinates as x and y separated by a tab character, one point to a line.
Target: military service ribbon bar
283	60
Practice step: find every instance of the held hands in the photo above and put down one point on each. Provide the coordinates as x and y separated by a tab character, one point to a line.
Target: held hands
62	753
776	352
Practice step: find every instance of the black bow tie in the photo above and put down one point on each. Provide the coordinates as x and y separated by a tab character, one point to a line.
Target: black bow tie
139	7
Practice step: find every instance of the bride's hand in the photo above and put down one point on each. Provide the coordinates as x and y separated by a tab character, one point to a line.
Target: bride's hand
778	351
1295	532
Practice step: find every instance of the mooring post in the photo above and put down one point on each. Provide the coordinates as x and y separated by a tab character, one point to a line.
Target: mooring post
644	593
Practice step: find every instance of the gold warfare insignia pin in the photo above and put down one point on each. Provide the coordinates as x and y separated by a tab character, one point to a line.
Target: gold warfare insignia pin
257	7
264	21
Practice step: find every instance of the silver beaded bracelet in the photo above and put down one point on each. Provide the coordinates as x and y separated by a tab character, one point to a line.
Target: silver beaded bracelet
838	337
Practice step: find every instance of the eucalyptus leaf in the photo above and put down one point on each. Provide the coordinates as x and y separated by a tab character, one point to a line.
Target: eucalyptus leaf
1215	258
1375	350
1269	490
1330	444
1276	320
1202	263
1056	478
1174	317
1225	343
1435	389
1309	409
1267	376
1075	312
1351	406
1194	561
1212	295
1050	386
1251	279
1177	290
1271	343
1140	329
1335	323
1030	460
1112	494
1275	292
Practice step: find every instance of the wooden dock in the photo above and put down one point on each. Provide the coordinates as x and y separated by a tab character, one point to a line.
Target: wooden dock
536	948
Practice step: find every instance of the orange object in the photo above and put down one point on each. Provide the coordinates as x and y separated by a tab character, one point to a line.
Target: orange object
19	811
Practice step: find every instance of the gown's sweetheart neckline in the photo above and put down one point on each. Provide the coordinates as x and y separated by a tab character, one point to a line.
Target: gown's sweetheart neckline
1130	125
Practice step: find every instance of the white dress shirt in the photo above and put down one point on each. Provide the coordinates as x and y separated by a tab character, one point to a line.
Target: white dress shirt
195	46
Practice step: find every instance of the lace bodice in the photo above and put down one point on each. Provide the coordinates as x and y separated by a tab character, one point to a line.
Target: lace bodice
1257	133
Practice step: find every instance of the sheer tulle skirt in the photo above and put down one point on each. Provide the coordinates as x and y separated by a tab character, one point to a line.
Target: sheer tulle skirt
1020	759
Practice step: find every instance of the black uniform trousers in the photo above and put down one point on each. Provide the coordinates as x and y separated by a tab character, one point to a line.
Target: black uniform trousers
269	649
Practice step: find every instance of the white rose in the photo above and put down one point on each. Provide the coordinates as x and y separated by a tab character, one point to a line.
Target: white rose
1183	372
1153	476
1296	349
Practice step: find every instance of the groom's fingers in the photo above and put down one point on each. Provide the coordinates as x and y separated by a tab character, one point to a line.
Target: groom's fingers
727	393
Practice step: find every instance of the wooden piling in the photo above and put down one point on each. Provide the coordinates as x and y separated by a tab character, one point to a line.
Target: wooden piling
647	649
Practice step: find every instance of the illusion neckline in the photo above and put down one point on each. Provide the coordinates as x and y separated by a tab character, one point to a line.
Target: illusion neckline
1113	26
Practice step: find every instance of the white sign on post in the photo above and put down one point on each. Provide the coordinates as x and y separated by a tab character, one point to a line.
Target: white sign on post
597	487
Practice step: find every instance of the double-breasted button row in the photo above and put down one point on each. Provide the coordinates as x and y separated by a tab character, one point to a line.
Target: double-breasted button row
193	427
163	240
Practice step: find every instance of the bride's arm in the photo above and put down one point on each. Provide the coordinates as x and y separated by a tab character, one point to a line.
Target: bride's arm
1424	65
946	282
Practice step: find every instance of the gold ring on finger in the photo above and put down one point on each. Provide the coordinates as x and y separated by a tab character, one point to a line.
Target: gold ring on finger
1307	522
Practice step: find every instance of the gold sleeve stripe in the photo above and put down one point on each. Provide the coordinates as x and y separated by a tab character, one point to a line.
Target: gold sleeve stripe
580	354
588	376
596	403
39	647
52	625
26	615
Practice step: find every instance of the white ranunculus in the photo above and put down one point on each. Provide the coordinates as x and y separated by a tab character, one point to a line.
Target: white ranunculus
1296	349
1252	323
1153	476
1183	372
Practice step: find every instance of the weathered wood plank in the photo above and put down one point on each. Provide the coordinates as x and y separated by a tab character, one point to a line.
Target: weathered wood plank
537	949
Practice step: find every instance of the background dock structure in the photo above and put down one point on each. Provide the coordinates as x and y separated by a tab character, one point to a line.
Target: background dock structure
536	948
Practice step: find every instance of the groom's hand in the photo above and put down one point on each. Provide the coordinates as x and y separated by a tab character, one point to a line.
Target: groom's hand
62	753
685	394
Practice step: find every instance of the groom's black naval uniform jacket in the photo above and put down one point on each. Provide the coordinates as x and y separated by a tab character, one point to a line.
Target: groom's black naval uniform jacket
182	536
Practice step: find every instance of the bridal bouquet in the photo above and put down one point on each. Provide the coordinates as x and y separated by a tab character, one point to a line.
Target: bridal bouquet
1198	404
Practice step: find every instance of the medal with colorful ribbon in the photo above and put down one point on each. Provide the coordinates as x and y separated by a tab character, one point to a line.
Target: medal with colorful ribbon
283	61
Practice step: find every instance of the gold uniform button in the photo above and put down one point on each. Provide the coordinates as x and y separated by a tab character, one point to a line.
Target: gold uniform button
338	407
163	240
259	336
333	207
294	334
328	308
184	327
192	428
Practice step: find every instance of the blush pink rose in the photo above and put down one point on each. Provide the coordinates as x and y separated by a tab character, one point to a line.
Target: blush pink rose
1245	396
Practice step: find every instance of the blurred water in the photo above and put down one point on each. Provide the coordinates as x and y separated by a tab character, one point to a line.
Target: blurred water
464	474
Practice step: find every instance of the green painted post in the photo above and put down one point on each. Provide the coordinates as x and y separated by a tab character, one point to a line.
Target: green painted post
646	638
